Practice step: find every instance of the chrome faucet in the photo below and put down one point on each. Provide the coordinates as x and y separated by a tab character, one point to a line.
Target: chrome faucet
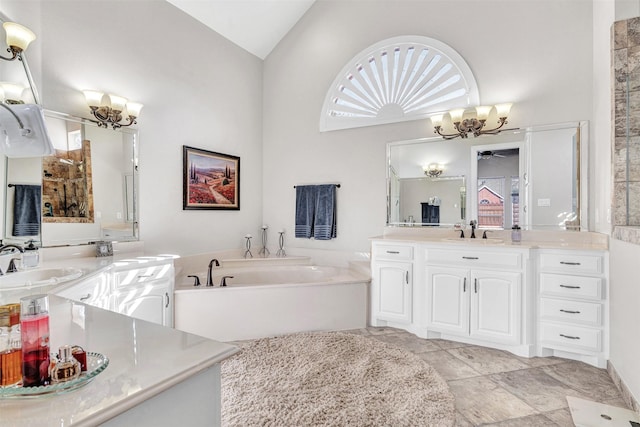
10	248
473	225
209	278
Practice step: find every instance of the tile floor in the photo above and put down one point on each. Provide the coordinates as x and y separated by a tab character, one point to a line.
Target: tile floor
497	388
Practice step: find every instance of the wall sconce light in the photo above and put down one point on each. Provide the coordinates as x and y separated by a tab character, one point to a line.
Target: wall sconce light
475	125
434	170
18	39
11	93
111	112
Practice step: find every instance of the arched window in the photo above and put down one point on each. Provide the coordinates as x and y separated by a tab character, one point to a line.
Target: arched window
399	79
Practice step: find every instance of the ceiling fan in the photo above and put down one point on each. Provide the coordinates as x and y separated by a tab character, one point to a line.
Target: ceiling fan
485	155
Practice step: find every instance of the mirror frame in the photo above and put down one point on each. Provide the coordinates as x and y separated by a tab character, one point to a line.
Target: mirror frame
581	171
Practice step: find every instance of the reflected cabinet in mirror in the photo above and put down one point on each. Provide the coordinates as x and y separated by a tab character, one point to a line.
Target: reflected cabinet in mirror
529	177
85	192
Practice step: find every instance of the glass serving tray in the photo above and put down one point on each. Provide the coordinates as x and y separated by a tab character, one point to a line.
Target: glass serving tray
96	363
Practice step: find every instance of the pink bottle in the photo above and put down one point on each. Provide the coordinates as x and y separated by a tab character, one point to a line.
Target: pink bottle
34	327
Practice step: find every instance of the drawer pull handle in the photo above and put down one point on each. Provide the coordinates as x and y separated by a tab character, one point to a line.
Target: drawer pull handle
85	297
570	286
393	252
569	337
569	263
469	257
569	311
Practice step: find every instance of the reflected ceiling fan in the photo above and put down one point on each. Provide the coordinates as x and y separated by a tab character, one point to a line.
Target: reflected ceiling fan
485	155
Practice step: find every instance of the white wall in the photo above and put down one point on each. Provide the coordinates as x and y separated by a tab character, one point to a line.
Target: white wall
624	313
524	51
198	88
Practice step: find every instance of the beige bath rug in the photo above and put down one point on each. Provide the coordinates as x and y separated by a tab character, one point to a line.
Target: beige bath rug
331	379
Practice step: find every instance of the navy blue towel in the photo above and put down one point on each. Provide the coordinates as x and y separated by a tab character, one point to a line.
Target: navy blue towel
305	210
26	210
324	227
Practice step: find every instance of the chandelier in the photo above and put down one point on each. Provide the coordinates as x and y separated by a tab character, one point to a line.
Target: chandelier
111	112
433	170
474	125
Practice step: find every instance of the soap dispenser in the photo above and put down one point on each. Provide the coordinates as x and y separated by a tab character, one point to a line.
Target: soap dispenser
31	256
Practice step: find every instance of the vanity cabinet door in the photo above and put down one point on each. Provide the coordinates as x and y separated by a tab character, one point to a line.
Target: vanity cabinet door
151	302
495	306
393	291
448	300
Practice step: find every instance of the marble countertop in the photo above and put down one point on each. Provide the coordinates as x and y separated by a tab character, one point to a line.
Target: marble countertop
501	239
144	360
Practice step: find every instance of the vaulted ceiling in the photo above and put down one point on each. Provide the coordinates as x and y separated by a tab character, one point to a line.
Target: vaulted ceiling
255	25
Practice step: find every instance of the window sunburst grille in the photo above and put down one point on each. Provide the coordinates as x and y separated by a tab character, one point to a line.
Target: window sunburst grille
399	79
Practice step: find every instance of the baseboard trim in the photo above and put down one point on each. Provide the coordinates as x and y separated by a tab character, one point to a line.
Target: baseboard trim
622	387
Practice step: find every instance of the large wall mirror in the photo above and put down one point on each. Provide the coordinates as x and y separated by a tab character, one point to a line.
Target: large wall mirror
531	177
86	191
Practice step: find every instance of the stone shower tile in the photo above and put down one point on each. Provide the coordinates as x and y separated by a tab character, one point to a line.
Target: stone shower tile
592	383
487	360
448	366
633	32
481	400
536	388
620	35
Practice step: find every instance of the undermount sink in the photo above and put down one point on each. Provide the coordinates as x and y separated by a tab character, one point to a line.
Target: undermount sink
38	277
479	241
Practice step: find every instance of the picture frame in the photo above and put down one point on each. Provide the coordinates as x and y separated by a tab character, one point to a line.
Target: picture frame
210	180
104	248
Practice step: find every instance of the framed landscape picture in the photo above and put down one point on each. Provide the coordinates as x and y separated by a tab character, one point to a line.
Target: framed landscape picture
211	180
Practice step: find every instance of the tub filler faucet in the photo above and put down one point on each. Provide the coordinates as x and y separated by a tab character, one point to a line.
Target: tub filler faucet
209	277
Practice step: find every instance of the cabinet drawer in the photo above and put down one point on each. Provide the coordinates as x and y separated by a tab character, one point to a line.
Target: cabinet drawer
571	263
570	336
571	286
395	252
471	258
142	275
587	313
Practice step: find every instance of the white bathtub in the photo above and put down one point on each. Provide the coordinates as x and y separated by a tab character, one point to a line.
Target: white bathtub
267	301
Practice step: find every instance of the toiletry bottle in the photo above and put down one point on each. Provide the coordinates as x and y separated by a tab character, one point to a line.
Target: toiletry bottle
34	328
67	368
10	345
30	257
516	234
80	355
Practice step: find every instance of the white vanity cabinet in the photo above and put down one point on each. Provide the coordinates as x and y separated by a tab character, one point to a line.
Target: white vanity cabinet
94	290
141	288
572	305
468	296
392	283
145	292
